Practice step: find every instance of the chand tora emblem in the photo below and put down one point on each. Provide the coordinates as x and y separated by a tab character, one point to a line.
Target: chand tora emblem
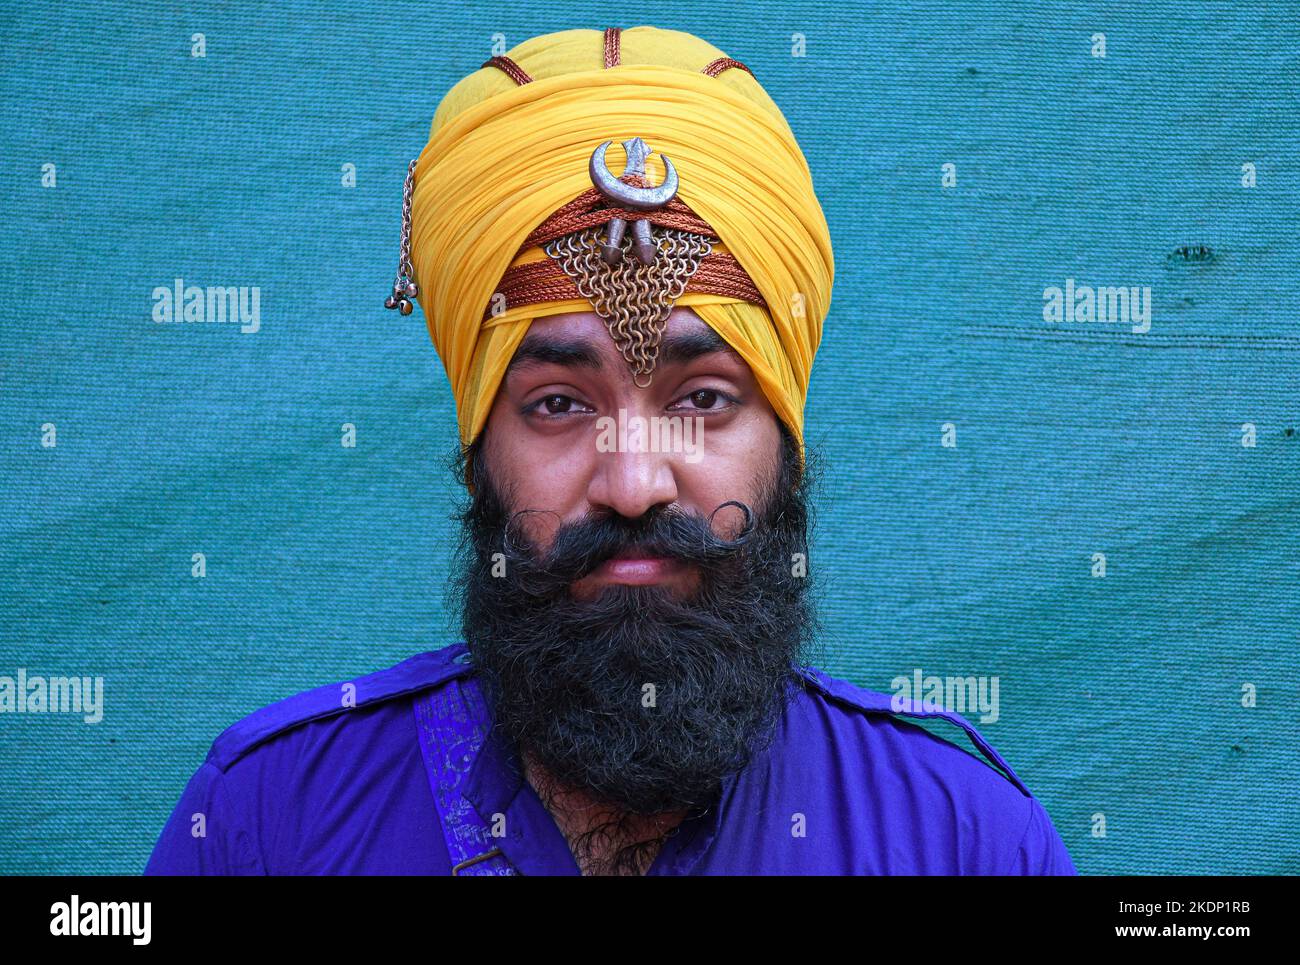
626	195
632	278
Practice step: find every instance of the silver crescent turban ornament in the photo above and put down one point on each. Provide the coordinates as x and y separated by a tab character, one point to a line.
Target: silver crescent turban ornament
627	195
633	295
630	196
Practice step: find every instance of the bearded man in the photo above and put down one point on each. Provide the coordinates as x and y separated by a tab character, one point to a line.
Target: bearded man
630	355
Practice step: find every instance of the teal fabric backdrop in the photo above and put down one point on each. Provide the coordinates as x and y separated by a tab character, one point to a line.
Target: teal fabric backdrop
1121	697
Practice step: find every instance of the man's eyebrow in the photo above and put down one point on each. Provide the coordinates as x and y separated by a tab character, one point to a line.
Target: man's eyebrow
678	349
542	351
579	353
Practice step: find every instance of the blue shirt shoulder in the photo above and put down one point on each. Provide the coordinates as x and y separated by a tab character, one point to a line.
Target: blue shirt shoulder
292	788
416	673
873	702
888	796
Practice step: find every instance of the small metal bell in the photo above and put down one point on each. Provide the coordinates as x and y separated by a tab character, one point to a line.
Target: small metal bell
404	306
390	302
411	290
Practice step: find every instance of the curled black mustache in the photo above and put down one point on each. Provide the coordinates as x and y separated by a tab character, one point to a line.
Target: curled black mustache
582	546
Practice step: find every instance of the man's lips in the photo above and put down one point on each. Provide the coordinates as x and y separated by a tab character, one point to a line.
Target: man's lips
636	568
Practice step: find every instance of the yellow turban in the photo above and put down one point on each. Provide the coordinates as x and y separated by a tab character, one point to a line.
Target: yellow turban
502	156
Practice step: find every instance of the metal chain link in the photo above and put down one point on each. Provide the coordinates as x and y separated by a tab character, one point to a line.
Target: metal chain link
404	287
633	299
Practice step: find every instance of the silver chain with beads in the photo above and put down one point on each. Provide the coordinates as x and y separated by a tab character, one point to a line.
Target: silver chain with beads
404	287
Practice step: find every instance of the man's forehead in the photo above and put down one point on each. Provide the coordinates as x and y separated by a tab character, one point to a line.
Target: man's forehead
582	338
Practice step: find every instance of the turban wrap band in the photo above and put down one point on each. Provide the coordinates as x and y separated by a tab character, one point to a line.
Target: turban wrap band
510	146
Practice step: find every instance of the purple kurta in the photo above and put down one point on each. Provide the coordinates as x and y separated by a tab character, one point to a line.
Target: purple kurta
410	779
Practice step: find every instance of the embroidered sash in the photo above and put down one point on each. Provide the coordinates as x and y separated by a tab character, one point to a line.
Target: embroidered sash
452	721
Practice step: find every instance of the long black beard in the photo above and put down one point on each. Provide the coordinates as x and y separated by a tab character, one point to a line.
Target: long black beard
644	699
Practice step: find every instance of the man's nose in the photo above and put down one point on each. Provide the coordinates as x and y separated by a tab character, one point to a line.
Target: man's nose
632	482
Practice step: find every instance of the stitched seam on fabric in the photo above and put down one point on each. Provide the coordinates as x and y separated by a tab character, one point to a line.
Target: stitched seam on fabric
241	834
241	753
989	757
1023	835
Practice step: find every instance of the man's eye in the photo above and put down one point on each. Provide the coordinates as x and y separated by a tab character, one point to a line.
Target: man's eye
554	405
707	399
